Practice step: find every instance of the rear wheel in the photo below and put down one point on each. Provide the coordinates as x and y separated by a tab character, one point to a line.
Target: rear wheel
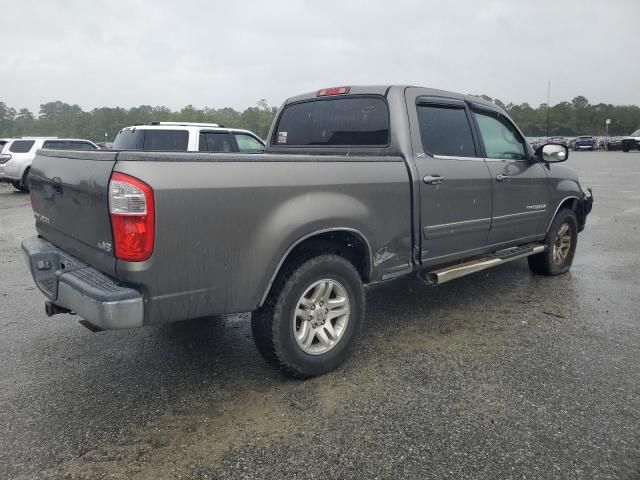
312	317
561	243
23	185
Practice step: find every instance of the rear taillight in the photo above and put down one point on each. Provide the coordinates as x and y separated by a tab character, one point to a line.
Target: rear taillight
4	158
131	206
333	91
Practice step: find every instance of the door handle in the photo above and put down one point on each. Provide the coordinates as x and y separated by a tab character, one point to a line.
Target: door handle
433	179
56	183
501	178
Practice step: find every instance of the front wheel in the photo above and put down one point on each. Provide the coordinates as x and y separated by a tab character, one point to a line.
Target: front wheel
312	317
561	243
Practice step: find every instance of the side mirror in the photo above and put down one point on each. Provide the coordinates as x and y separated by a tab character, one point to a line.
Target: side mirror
552	153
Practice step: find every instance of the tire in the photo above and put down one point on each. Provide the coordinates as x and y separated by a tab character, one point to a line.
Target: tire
276	327
625	150
556	259
23	186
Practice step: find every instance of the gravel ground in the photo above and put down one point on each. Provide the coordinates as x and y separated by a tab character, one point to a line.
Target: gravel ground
501	374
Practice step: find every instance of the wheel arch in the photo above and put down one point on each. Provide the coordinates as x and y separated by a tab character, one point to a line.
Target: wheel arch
345	241
571	203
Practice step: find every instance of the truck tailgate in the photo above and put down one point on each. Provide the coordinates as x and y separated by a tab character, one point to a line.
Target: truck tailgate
69	196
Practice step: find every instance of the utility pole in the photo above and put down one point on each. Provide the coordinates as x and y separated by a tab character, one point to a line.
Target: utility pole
548	100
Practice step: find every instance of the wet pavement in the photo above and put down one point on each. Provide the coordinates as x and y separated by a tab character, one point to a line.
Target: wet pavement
502	374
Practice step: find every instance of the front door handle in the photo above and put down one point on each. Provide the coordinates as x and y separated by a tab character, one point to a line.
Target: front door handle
56	183
501	178
433	179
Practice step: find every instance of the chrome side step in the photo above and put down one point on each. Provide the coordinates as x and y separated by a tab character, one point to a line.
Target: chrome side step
500	257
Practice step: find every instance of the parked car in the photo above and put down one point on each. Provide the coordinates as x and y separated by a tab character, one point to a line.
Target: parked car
105	145
632	142
585	142
359	185
613	143
558	141
16	155
187	137
535	143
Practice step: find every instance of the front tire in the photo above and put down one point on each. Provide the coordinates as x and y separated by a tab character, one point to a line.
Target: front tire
561	243
312	316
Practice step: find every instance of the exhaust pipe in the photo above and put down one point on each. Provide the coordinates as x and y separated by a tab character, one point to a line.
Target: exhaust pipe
52	309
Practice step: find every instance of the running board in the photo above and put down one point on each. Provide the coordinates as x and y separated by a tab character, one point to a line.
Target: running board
498	258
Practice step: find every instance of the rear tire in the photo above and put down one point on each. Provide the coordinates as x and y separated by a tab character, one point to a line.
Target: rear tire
560	243
302	328
23	186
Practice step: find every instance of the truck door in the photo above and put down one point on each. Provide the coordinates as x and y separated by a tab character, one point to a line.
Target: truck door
455	184
520	186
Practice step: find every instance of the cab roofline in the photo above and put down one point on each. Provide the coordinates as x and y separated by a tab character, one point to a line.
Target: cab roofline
384	89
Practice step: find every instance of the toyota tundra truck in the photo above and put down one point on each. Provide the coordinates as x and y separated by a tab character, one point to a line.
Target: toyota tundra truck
358	186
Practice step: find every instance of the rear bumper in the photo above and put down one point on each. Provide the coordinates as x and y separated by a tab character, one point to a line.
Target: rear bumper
73	285
8	172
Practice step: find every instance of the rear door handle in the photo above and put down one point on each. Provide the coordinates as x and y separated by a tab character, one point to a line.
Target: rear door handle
56	183
433	179
501	178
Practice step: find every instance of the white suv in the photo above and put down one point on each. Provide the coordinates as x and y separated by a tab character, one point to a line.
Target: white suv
16	155
187	137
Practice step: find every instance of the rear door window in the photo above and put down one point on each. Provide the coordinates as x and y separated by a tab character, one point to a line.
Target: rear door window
346	121
21	146
248	144
215	142
445	130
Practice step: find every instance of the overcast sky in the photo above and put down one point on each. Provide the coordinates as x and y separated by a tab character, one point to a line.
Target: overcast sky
217	54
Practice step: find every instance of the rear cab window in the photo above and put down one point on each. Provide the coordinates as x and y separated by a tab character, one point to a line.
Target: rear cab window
21	146
358	120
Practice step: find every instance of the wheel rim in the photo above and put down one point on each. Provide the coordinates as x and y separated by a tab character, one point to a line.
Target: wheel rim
562	244
321	317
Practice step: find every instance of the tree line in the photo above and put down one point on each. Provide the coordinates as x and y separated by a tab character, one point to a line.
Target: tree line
59	119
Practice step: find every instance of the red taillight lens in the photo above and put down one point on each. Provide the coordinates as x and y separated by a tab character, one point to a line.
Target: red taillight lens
132	211
333	91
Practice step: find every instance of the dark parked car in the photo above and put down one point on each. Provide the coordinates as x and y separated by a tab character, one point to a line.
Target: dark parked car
585	143
613	144
631	142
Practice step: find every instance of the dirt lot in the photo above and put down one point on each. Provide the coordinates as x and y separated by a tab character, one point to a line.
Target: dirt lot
501	374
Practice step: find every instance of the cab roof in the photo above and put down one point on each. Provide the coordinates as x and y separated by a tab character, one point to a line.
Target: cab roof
384	89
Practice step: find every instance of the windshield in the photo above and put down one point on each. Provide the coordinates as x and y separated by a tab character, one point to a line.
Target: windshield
636	133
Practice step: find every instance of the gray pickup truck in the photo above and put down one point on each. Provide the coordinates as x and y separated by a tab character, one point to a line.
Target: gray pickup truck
358	185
